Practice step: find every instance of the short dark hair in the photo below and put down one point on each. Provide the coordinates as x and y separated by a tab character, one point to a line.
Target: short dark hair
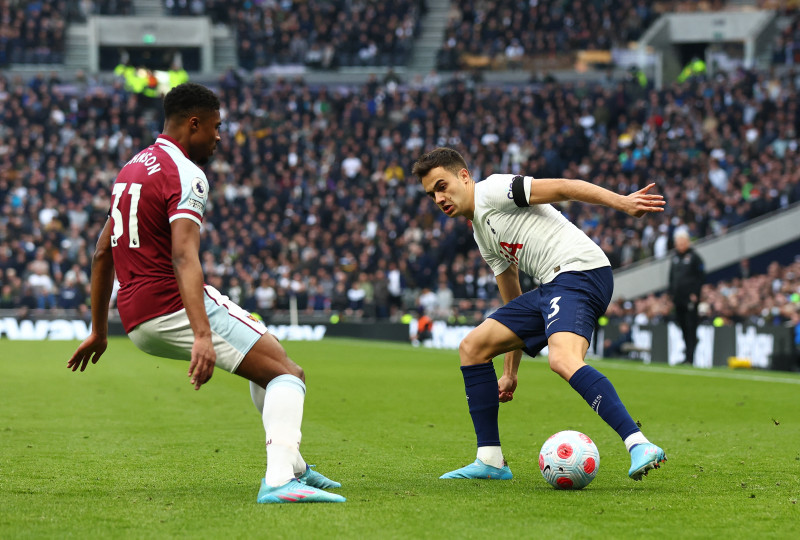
189	98
440	157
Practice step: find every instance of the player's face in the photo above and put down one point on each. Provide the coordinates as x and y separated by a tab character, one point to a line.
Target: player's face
450	191
204	137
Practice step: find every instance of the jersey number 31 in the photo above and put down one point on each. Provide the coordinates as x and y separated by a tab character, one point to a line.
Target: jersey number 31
133	220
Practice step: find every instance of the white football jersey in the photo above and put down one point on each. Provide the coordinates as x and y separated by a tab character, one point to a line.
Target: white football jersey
537	238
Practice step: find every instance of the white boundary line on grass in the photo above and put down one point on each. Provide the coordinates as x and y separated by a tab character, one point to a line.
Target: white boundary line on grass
650	368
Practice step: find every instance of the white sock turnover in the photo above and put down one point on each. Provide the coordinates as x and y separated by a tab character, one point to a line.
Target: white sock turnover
491	455
634	439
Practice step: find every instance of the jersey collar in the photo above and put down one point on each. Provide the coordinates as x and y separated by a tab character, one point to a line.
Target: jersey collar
166	140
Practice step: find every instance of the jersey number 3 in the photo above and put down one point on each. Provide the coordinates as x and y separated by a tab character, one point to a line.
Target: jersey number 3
554	306
133	220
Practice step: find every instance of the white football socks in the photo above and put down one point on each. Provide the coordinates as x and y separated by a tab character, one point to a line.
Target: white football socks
491	455
257	395
634	439
282	416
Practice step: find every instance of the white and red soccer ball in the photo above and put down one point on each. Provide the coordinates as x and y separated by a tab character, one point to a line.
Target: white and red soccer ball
569	460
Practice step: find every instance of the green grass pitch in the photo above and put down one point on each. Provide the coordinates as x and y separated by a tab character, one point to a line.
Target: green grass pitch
128	449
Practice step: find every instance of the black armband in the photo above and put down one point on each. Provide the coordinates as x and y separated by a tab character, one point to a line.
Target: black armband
518	192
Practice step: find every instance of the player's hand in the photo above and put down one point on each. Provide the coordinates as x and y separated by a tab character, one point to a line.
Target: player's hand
92	349
641	202
506	386
203	359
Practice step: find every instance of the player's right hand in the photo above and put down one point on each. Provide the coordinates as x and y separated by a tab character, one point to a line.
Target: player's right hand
505	387
92	349
203	359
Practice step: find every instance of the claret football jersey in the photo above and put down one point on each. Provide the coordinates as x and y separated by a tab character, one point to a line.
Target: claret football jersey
157	186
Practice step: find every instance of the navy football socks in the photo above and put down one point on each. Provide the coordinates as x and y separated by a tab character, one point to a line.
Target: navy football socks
599	393
480	382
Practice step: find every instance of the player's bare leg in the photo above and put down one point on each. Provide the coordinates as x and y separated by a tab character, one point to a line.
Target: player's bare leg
566	354
268	366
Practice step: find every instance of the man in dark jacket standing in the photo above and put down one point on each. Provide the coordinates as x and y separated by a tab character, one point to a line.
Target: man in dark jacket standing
686	277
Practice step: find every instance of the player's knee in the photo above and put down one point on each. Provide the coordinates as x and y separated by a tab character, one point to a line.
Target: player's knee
564	365
298	372
558	362
290	367
470	351
464	349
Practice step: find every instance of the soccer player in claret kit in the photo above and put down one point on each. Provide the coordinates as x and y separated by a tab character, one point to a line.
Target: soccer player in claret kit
152	240
516	228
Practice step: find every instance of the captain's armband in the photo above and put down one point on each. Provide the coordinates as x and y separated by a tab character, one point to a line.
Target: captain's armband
518	191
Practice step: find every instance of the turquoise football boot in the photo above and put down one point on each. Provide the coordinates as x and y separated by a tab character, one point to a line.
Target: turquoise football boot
314	479
294	492
480	470
644	457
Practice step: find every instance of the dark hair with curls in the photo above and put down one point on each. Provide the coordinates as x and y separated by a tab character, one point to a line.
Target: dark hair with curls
188	98
440	157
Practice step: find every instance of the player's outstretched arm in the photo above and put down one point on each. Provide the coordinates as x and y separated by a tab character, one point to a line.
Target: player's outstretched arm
550	190
95	345
189	274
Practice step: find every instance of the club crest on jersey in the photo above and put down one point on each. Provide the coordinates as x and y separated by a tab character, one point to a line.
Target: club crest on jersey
199	188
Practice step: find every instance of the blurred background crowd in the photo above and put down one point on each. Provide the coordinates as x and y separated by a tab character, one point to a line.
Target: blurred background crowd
312	199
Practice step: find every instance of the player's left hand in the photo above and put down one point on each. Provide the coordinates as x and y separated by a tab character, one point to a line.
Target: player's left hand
505	387
641	202
92	349
203	360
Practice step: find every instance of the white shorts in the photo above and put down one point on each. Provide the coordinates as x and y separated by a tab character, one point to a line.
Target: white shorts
233	332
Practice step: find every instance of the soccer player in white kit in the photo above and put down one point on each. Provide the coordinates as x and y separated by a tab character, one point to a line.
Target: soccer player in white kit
516	228
152	240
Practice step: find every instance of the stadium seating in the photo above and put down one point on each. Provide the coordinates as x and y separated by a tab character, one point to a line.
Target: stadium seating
772	299
511	34
498	34
31	33
311	189
319	34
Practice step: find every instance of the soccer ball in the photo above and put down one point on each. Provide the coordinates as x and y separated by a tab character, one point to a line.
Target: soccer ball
569	460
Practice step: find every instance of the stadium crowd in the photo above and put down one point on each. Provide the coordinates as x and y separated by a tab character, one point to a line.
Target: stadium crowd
32	32
80	10
504	33
319	34
772	299
312	197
